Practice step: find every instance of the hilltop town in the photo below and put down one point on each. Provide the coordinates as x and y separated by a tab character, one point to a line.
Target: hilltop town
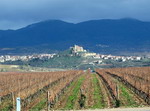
75	51
80	51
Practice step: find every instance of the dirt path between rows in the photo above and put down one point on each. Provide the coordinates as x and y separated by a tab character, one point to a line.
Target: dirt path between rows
119	109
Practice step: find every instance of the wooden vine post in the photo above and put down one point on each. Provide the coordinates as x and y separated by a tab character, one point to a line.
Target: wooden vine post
13	100
0	100
48	101
0	97
117	91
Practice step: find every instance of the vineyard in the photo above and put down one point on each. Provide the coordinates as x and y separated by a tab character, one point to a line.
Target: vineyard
106	88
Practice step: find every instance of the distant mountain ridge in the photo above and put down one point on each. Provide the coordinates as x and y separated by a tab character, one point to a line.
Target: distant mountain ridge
119	35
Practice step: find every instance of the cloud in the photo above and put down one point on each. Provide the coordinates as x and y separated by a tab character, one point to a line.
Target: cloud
18	13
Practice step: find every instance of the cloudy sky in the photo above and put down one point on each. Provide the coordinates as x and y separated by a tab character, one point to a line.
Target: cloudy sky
19	13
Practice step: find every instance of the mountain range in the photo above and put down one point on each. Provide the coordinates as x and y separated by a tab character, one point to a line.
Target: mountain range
103	36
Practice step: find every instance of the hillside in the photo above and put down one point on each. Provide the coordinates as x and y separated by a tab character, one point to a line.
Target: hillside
106	36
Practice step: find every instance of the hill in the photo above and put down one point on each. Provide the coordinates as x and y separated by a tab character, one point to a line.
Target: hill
105	36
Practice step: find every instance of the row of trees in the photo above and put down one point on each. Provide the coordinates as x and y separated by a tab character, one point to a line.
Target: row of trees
25	84
138	77
111	85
